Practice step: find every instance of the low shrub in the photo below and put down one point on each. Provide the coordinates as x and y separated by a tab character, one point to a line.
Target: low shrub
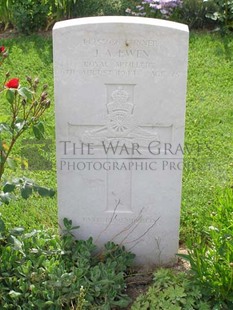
105	8
5	12
209	282
64	9
40	270
211	254
222	14
171	291
30	15
194	13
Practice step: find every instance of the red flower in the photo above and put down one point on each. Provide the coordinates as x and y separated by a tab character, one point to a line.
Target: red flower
2	49
13	83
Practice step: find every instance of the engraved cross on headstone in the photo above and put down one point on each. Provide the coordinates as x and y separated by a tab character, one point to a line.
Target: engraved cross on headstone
121	139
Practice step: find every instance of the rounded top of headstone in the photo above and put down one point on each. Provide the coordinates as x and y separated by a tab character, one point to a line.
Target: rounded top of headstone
122	20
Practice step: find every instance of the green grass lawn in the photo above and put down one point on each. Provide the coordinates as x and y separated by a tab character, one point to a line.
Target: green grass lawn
209	129
209	124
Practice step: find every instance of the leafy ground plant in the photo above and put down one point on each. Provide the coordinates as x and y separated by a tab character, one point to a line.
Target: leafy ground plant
171	291
39	270
223	14
193	13
211	254
30	15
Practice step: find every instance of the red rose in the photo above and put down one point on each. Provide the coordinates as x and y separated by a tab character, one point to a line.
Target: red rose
2	49
13	83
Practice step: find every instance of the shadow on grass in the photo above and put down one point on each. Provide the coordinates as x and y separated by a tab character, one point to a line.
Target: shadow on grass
40	43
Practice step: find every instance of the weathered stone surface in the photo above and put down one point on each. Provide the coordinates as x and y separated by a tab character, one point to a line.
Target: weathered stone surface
120	86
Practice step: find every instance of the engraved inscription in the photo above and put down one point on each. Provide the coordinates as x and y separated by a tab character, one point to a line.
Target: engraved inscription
112	58
118	57
115	68
122	53
118	42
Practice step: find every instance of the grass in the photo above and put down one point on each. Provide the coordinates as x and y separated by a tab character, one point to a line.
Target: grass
209	123
32	56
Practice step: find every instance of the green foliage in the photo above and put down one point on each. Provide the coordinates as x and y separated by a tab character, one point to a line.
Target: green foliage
171	291
223	14
193	13
6	11
30	15
64	9
211	254
104	7
26	187
208	140
40	270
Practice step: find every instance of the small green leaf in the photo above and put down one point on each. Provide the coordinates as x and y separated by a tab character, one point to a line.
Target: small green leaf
45	192
10	95
5	198
18	181
8	187
2	226
4	127
17	231
67	223
38	130
75	227
49	303
123	302
1	146
25	92
11	163
14	294
19	124
184	256
31	234
17	244
26	191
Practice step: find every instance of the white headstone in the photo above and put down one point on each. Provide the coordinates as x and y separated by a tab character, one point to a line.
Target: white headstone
120	87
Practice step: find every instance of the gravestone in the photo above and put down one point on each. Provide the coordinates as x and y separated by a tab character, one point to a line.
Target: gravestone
120	87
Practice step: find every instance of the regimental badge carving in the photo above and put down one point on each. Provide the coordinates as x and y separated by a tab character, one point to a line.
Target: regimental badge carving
120	113
120	120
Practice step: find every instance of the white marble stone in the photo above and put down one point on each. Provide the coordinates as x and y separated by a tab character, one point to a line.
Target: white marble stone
120	87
